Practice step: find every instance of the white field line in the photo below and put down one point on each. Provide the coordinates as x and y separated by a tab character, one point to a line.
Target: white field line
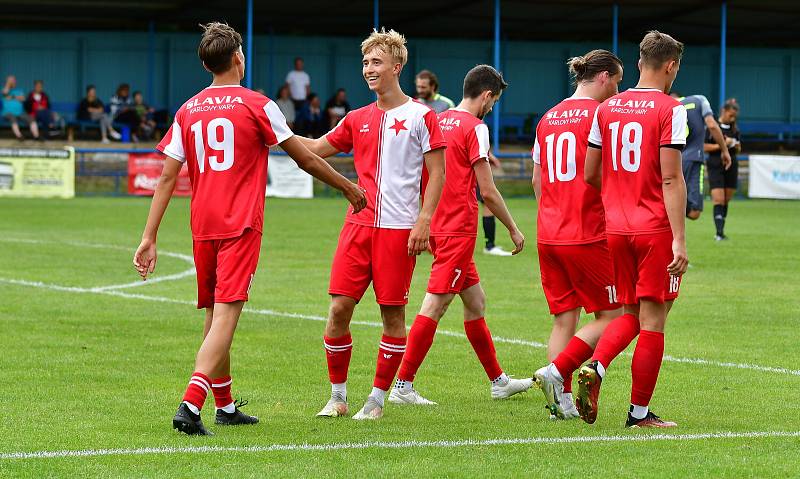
309	317
633	438
132	284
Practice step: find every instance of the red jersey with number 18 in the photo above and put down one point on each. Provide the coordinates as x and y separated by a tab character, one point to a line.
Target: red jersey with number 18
570	211
224	134
631	128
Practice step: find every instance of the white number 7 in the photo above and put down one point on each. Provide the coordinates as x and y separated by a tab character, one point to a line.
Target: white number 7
225	144
458	275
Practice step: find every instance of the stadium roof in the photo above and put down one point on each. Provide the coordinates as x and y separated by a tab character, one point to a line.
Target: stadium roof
750	22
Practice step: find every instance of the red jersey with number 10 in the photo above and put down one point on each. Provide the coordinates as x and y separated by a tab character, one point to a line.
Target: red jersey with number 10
224	134
631	128
570	211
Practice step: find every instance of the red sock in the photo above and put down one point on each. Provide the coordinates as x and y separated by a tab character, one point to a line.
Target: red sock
197	390
420	339
338	352
390	355
481	340
574	354
618	335
645	366
221	387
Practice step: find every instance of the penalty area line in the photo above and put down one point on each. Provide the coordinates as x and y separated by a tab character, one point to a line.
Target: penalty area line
305	447
310	317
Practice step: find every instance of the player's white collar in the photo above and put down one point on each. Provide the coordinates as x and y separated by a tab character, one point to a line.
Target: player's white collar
578	98
223	86
644	89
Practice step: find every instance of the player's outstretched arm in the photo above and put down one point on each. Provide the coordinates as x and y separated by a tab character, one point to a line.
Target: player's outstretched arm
321	170
592	172
144	260
536	180
716	134
421	232
674	189
494	201
320	146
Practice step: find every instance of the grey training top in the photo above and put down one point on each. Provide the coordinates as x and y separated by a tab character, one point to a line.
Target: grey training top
697	109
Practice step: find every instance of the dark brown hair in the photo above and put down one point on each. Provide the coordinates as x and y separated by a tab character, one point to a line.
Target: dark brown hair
217	46
658	48
433	80
586	67
482	78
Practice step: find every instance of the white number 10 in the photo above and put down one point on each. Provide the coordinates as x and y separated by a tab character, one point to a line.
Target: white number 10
224	144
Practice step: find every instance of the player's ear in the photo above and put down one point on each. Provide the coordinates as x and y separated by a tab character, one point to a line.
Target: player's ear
397	69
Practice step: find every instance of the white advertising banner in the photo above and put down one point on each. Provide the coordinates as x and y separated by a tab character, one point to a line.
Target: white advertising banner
286	179
774	176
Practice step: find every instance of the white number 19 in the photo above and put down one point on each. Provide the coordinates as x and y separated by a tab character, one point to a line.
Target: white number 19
224	144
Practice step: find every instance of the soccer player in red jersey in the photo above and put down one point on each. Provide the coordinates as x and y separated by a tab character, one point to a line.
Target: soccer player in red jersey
574	260
390	140
224	134
635	155
453	233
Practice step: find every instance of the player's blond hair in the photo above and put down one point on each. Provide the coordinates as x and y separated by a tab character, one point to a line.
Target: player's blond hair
390	42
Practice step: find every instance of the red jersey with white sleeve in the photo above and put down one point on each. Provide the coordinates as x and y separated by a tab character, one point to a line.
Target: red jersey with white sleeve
467	139
388	148
224	134
631	128
570	210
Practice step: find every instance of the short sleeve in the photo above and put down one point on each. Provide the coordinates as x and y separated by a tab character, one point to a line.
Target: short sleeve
341	137
478	143
595	136
673	126
430	134
273	124
172	143
705	106
536	153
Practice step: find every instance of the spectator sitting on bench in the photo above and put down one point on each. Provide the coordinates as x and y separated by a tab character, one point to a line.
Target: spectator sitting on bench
310	122
13	110
122	110
285	104
147	125
91	109
37	105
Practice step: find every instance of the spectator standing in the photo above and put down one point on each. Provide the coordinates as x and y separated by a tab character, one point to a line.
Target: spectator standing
336	108
147	123
284	101
92	109
310	121
13	110
428	92
122	110
299	84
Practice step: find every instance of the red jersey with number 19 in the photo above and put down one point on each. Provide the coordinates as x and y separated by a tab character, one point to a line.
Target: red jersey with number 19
631	128
570	211
224	134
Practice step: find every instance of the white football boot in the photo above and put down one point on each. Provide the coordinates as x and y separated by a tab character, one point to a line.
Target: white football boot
559	404
336	407
512	387
371	410
408	396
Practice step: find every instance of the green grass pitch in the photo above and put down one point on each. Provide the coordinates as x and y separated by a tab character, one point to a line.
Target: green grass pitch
89	368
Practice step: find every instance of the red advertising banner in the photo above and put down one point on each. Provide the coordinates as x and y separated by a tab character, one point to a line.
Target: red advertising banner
144	169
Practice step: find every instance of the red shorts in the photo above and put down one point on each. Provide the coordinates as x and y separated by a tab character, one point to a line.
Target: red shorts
577	275
640	267
225	268
453	268
379	255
